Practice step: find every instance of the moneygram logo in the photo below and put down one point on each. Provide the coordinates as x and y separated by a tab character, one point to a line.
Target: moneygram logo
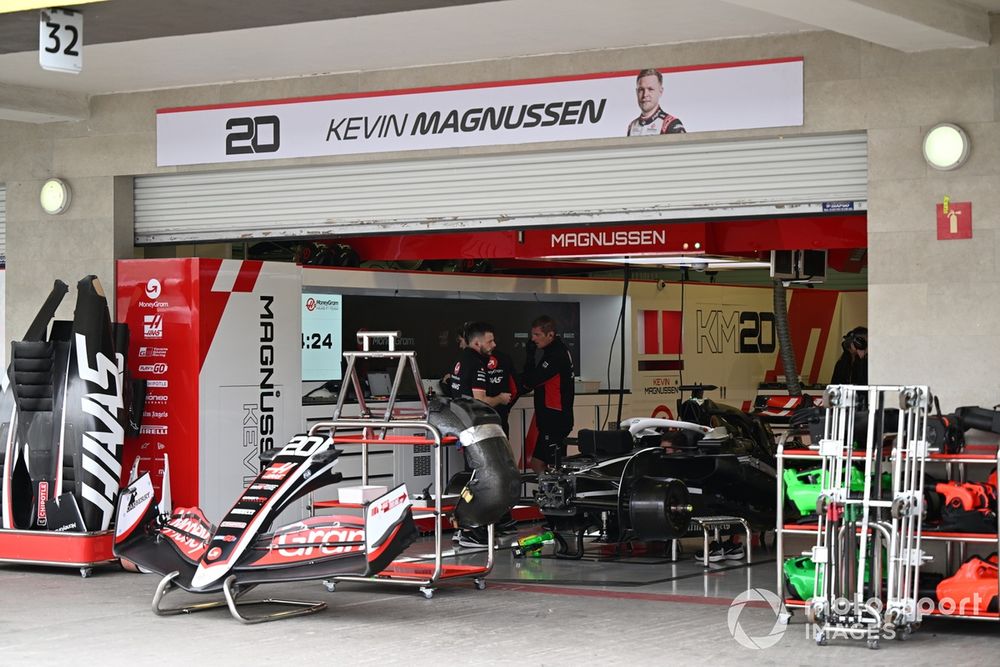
735	619
153	288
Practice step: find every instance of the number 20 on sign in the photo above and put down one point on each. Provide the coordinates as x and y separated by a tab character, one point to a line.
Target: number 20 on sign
60	40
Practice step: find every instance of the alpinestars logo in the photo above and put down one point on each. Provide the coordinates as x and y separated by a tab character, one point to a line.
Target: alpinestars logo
152	326
101	446
135	499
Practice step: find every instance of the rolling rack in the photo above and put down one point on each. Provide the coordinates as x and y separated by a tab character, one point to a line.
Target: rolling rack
372	428
847	522
791	450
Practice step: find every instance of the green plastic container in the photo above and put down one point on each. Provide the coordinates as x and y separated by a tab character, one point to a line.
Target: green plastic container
803	486
799	577
800	572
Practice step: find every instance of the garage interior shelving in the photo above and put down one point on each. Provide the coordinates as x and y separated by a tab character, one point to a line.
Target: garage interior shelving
793	449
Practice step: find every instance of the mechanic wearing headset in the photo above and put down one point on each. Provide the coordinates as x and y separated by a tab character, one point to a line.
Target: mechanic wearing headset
552	381
852	367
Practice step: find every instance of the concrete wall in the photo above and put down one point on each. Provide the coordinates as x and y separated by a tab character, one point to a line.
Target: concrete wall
932	314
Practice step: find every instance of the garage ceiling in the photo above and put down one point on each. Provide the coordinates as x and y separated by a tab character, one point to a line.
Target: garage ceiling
134	45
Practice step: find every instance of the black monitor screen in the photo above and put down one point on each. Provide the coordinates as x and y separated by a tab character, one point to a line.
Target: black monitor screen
428	326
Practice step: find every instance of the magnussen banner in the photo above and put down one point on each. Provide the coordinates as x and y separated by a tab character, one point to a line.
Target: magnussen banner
700	98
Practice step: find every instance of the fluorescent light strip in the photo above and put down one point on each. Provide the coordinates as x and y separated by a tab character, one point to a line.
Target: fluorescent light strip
680	261
11	6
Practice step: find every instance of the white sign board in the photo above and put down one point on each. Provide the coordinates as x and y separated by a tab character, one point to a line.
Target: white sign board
701	98
60	40
321	336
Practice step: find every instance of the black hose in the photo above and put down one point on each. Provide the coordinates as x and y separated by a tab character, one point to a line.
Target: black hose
785	339
621	369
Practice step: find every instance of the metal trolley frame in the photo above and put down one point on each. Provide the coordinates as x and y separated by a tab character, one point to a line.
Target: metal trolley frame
372	428
850	526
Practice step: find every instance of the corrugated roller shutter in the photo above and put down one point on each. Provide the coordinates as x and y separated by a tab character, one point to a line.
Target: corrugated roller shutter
661	181
3	222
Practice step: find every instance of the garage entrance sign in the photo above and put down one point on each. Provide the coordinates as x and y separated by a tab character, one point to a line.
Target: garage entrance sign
703	98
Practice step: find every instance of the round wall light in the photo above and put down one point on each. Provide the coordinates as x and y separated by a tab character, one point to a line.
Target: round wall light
946	146
55	196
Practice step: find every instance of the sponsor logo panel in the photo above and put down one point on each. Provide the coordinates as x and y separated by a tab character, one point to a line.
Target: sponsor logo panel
152	326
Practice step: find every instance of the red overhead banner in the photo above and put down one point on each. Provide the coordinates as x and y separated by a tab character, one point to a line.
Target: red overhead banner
722	237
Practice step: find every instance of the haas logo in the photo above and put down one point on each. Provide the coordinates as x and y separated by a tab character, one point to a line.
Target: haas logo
492	363
458	369
310	304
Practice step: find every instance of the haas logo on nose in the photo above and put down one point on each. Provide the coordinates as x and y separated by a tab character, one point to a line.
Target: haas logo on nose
153	288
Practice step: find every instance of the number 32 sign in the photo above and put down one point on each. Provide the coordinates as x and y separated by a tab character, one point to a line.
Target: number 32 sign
60	40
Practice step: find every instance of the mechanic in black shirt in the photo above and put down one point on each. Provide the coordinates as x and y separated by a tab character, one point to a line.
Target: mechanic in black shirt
445	382
552	381
502	378
469	377
852	367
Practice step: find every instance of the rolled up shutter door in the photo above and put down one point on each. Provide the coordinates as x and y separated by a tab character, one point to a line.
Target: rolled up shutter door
661	181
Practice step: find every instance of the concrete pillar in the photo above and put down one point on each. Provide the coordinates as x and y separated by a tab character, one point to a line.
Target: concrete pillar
96	230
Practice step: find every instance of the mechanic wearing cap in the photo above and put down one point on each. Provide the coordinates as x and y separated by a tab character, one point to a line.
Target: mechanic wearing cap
852	367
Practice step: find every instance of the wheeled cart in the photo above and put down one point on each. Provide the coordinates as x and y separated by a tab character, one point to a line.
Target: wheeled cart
383	428
40	547
862	532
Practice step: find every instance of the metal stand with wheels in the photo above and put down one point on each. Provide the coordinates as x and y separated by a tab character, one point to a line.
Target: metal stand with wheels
852	526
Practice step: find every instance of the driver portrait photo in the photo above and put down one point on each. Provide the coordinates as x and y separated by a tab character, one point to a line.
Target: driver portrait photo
652	118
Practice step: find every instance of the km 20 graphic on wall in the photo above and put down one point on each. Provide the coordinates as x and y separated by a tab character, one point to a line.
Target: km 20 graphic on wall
644	101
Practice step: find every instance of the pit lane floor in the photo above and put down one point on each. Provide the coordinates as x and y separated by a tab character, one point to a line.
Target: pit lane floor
533	611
